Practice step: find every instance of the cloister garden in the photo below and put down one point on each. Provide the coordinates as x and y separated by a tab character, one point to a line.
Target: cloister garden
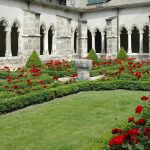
41	111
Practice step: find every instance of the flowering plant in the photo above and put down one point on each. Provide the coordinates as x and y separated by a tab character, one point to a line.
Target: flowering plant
137	137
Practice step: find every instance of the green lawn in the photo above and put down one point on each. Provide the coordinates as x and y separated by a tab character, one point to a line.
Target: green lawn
68	123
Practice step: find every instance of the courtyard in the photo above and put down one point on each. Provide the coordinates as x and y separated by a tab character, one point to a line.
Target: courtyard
81	121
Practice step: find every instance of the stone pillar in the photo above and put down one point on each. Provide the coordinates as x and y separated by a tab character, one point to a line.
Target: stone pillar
119	41
82	37
129	42
46	43
93	41
63	36
112	35
103	42
8	43
54	52
141	42
31	32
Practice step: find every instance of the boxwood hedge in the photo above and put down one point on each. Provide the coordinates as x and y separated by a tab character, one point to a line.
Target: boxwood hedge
21	101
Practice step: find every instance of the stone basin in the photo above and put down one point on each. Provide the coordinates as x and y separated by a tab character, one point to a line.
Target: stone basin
83	68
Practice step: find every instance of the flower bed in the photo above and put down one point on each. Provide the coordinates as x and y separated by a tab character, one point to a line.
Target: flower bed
137	136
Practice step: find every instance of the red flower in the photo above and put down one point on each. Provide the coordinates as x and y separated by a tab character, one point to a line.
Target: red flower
138	74
146	132
131	132
131	119
6	87
41	82
74	75
117	140
19	92
139	109
116	130
15	86
29	82
140	122
145	98
55	77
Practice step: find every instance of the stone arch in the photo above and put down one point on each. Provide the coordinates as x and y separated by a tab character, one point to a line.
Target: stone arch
3	30
124	38
51	33
42	37
145	39
98	40
135	39
15	29
89	40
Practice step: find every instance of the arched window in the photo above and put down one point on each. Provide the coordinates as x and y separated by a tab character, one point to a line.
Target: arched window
124	38
14	39
98	41
2	38
89	40
50	39
75	41
135	40
42	30
146	39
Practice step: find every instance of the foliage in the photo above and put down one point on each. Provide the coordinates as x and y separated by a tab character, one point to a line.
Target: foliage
92	55
43	95
137	137
122	55
34	60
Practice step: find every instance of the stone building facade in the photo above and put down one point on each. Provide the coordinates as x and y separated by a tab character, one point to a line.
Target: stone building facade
64	28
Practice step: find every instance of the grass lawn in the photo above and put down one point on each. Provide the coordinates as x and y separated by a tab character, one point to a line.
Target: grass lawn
68	123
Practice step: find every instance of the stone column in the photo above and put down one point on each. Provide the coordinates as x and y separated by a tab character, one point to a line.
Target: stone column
82	37
93	41
119	41
46	43
112	36
141	42
20	51
54	44
103	42
8	43
129	42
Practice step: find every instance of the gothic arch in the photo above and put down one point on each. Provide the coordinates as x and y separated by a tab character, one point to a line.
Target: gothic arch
124	37
17	23
145	38
4	22
96	28
89	40
122	27
43	26
51	33
3	29
42	37
98	40
135	39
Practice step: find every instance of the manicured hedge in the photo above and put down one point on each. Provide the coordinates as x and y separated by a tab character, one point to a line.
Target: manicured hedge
14	103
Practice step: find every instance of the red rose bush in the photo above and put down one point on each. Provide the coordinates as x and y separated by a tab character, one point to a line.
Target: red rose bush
137	137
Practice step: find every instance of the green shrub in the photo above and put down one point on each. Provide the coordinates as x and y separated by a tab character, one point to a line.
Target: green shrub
122	54
34	60
92	55
44	95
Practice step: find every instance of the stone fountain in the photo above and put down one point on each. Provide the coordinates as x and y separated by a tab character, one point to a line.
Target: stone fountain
83	68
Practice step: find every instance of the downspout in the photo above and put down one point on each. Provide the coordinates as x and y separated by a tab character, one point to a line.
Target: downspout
28	3
117	29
